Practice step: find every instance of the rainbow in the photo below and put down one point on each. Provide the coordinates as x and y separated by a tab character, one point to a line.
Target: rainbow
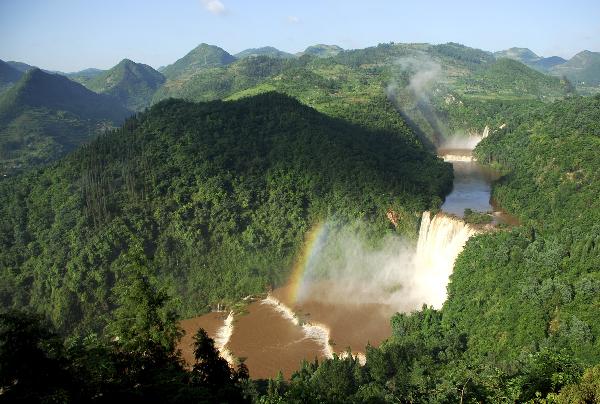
313	242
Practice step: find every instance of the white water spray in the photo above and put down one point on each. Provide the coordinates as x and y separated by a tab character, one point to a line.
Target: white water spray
315	331
441	239
451	158
222	337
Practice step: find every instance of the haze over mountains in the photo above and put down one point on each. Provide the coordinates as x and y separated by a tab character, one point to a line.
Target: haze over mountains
583	69
43	116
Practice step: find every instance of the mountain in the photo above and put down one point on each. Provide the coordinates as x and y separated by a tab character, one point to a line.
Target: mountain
22	67
8	75
264	51
211	200
322	51
508	77
545	64
370	86
219	82
523	55
84	76
202	57
583	69
132	83
43	116
529	58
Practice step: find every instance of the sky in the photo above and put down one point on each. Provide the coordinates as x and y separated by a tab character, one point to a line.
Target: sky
70	35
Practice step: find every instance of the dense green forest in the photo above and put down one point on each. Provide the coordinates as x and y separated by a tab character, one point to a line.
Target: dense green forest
213	199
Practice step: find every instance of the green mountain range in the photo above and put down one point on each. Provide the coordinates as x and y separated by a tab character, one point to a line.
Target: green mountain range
264	51
43	116
133	84
371	86
529	58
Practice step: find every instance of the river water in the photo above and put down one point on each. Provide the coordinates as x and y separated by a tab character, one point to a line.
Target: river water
277	334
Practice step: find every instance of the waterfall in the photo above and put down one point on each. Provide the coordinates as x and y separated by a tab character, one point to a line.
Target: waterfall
222	339
441	239
314	331
458	157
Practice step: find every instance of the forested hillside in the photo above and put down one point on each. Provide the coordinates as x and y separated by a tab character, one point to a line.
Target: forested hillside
211	200
43	116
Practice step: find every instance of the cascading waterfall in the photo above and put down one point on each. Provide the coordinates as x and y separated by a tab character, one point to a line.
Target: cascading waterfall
458	158
315	331
441	239
222	337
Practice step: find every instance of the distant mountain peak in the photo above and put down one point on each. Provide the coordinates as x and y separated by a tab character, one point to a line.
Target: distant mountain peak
322	50
131	83
8	74
524	55
201	57
264	51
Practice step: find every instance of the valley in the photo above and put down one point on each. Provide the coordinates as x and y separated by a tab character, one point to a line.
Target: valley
310	319
413	222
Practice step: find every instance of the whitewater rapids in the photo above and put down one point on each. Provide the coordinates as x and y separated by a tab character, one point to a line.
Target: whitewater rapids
317	332
222	338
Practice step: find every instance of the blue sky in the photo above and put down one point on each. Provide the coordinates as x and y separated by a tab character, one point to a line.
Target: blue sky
70	35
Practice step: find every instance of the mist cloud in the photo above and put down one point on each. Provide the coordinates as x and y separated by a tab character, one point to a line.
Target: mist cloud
348	269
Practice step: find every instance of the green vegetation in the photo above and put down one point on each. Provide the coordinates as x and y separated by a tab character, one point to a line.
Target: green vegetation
20	66
8	76
264	51
473	217
133	84
202	57
358	85
322	51
39	366
219	82
582	69
509	78
84	76
520	323
44	116
214	198
210	202
527	57
523	55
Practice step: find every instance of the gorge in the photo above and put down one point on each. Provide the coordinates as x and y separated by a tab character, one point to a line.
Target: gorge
339	283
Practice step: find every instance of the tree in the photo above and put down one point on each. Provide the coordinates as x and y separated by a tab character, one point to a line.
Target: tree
213	374
32	365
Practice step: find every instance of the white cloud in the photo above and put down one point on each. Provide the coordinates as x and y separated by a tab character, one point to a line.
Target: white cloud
292	19
214	6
